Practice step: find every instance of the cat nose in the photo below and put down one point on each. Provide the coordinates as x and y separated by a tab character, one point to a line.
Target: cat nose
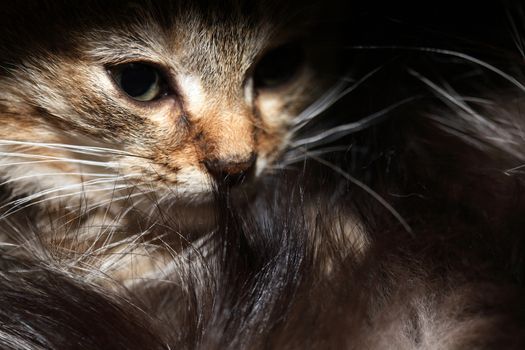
231	172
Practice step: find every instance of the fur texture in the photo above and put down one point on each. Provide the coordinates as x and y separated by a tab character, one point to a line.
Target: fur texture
95	163
391	219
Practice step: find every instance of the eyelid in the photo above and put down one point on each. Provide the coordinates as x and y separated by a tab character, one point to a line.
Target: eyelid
163	74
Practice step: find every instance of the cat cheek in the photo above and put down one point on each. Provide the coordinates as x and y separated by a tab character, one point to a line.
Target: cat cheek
271	111
193	181
165	115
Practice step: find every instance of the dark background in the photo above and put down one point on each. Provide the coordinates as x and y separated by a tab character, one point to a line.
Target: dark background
437	23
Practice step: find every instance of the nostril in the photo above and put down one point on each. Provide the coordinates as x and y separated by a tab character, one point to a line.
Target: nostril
230	172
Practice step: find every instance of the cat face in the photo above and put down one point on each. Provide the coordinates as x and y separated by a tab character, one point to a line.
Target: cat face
161	98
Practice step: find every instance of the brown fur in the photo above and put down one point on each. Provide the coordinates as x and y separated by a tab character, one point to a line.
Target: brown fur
56	89
406	234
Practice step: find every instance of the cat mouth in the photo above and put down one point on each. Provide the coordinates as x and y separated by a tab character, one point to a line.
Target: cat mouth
200	184
205	189
234	181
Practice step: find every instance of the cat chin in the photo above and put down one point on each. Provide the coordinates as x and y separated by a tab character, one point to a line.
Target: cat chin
177	197
184	196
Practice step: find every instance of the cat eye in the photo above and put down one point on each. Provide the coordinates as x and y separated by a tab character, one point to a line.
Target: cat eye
278	66
140	81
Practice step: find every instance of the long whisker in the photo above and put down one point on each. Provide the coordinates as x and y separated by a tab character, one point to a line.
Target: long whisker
109	164
451	53
100	204
178	258
57	174
368	190
20	206
106	203
340	131
450	98
67	187
91	150
115	219
517	38
17	208
294	157
131	243
327	100
30	163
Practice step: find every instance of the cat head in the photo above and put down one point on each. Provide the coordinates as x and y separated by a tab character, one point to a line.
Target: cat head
162	96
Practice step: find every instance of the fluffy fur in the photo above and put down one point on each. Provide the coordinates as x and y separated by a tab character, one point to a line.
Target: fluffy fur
394	222
93	163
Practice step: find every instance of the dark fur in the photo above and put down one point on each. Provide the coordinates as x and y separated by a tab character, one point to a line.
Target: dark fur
274	275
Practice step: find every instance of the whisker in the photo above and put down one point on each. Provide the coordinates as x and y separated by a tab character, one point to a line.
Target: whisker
72	194
28	163
17	208
178	258
100	204
67	187
340	131
328	100
109	164
91	150
131	243
115	219
57	174
320	105
107	203
117	258
517	38
450	98
295	158
451	53
368	190
515	170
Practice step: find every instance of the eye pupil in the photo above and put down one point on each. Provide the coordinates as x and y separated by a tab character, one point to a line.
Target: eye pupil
278	66
139	81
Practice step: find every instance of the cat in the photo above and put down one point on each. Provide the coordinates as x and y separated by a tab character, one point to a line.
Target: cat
112	110
211	176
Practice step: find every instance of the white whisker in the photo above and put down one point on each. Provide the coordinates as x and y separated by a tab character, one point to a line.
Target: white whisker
368	190
29	163
340	131
294	157
120	187
94	206
91	150
452	99
109	164
16	208
67	187
58	174
451	53
328	100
